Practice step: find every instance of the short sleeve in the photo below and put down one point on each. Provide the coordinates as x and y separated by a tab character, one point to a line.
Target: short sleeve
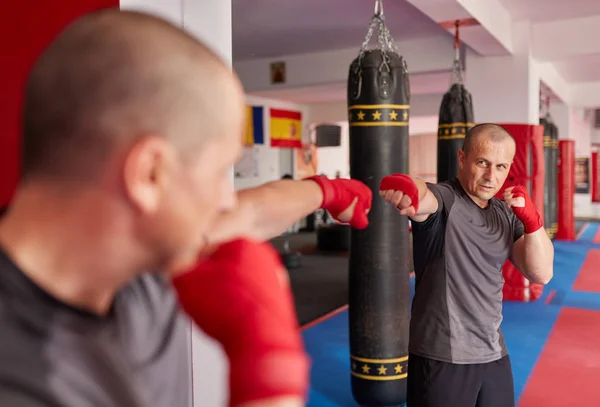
444	193
518	228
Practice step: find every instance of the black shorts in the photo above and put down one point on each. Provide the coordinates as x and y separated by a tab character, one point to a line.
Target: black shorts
432	383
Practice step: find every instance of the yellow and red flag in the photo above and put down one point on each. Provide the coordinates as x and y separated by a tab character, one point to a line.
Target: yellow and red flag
286	128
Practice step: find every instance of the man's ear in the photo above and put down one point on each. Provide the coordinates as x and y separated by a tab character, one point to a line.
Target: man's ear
146	173
461	159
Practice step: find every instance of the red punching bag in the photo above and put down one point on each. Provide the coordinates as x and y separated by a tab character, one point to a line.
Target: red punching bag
566	190
26	28
527	170
595	178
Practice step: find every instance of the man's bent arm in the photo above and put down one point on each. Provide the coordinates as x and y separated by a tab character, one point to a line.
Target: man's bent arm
533	255
267	211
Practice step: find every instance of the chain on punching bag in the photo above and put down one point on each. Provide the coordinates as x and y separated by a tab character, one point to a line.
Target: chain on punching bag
379	301
455	119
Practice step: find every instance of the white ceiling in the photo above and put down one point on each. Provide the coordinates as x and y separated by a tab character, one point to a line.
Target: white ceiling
420	84
272	28
584	68
550	10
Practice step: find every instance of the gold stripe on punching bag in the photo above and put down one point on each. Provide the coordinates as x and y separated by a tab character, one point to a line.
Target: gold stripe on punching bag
453	131
378	115
380	369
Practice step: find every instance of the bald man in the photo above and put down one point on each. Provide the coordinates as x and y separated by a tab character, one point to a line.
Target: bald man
130	128
462	236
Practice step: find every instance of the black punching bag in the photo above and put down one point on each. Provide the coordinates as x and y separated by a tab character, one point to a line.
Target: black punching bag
379	266
548	168
554	180
455	120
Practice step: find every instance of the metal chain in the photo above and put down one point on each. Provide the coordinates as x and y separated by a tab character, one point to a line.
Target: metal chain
385	41
457	69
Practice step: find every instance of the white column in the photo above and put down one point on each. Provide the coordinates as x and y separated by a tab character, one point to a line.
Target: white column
505	89
209	20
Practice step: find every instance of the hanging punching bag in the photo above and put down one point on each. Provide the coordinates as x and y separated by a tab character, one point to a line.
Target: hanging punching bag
554	179
455	120
379	301
549	167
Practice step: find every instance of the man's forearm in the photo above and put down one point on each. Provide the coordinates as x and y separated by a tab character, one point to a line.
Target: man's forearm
267	211
538	259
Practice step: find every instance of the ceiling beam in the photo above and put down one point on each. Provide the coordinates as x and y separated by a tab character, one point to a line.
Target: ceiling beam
488	26
562	39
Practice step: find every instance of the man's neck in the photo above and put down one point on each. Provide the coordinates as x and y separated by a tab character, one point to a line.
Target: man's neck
68	252
479	202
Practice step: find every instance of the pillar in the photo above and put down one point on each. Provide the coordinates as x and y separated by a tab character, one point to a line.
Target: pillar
210	21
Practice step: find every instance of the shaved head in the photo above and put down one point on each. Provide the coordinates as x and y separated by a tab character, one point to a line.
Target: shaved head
487	131
113	77
485	161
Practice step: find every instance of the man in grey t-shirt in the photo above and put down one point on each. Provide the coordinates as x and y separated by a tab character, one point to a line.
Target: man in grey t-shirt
462	235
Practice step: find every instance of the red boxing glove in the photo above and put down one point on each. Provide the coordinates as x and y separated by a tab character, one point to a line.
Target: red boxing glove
338	195
527	214
404	184
241	297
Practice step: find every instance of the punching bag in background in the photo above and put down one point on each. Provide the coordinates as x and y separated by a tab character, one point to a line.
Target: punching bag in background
566	190
527	170
379	300
550	168
554	213
455	119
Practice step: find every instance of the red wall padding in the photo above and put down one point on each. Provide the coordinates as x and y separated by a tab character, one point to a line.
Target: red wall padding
566	190
527	170
26	28
595	178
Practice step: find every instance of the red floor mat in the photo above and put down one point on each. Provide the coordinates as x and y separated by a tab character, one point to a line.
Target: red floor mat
597	237
568	369
588	278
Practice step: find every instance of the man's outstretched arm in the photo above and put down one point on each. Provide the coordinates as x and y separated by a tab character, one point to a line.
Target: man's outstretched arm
267	211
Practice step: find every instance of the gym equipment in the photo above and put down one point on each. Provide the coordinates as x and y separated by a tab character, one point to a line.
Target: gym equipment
595	179
291	260
379	266
566	190
554	180
548	165
527	170
455	119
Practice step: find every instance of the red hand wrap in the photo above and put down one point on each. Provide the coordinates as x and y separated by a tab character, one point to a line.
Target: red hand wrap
528	215
240	296
404	184
338	195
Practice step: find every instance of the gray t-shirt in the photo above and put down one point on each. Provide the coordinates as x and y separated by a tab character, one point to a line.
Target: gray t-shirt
458	254
53	355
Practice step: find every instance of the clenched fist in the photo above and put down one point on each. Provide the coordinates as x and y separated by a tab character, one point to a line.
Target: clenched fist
402	192
521	204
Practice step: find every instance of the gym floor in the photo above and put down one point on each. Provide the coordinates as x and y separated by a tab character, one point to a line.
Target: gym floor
553	342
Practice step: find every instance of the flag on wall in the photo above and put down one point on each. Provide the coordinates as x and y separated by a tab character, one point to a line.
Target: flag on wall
254	126
286	129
